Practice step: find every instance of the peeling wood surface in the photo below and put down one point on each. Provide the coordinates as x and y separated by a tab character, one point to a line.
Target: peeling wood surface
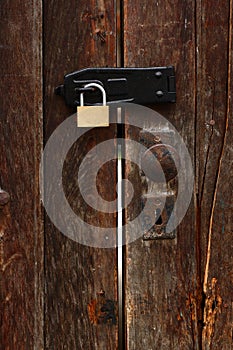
77	315
213	305
21	240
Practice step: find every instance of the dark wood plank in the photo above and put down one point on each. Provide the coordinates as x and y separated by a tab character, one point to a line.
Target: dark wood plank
21	252
214	139
217	332
81	288
161	276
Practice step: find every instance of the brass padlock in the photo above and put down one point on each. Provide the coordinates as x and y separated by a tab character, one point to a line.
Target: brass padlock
93	116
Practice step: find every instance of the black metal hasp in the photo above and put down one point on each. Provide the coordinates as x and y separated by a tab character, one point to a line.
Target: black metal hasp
139	85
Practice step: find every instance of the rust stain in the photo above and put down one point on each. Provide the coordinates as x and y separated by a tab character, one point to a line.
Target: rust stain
180	317
191	304
102	310
92	306
212	307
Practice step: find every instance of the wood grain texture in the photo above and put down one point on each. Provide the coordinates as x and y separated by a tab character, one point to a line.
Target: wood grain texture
214	154
20	148
81	281
167	34
161	276
178	292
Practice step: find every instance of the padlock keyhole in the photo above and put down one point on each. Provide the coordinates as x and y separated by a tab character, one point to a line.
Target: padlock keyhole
159	220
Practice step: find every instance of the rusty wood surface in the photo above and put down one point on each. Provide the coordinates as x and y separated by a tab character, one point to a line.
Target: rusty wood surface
214	169
161	276
81	289
21	241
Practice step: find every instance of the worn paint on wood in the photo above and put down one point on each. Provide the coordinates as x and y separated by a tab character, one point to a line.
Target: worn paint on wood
77	316
20	149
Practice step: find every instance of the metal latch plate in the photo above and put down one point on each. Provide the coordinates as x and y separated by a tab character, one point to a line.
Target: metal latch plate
138	85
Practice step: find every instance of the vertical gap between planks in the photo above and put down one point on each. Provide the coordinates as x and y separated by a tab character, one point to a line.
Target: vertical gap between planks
119	33
38	212
120	265
43	140
120	190
197	332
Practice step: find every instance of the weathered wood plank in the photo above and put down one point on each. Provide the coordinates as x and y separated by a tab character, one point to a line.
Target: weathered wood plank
214	139
80	280
21	252
161	275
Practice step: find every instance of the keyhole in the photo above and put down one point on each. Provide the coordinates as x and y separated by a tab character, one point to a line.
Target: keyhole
159	220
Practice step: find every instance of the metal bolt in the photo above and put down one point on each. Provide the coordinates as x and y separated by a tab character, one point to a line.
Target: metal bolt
159	93
4	197
158	74
157	138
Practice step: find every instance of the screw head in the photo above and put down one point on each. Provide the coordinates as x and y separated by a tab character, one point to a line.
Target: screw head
159	93
158	74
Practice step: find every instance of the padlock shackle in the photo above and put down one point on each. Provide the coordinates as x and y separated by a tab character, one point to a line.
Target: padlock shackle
98	86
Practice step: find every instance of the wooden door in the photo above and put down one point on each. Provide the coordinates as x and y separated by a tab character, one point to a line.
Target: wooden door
179	292
60	294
